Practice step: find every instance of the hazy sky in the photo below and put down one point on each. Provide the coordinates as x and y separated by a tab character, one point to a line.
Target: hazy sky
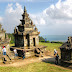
52	17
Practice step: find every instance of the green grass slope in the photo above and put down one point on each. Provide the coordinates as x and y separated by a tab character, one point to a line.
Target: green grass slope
35	67
51	47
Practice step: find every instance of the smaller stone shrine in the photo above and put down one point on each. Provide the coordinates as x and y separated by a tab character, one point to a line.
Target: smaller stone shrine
4	39
66	51
27	37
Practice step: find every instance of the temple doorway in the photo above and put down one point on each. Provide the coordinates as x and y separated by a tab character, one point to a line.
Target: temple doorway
0	39
28	41
33	41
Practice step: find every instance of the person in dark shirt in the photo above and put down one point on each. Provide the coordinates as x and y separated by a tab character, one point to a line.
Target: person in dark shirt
23	54
56	59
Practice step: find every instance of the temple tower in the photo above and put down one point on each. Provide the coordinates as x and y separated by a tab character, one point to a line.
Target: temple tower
26	34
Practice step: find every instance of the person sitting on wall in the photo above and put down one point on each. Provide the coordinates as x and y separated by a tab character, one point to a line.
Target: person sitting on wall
23	54
4	50
15	52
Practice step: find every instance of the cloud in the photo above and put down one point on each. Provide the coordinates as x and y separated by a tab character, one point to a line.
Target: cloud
15	0
61	13
55	19
12	17
24	0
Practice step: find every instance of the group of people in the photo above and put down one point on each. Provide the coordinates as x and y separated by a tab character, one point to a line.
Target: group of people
23	54
15	52
56	56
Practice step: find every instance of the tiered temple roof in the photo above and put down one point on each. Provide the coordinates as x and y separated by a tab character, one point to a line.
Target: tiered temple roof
68	44
26	26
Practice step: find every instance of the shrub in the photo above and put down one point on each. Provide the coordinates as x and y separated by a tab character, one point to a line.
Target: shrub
12	38
57	42
41	38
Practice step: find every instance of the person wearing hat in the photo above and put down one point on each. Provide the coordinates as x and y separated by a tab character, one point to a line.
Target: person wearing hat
4	50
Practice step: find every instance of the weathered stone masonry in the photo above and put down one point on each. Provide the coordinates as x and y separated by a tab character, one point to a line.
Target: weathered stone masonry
27	33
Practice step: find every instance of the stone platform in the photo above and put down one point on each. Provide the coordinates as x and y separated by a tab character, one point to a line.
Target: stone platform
30	51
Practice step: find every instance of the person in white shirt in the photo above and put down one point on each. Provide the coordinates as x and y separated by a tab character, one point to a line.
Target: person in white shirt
55	52
15	52
4	50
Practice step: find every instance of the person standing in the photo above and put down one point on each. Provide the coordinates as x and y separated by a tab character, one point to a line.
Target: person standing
56	59
55	52
45	40
23	54
4	50
15	52
4	53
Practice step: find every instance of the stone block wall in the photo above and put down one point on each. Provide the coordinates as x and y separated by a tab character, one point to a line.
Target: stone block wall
25	41
2	36
36	40
65	55
19	41
31	41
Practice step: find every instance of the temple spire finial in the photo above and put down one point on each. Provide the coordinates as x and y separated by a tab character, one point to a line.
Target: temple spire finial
25	9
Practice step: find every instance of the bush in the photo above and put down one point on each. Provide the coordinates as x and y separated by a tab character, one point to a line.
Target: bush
47	41
12	38
12	42
41	38
56	42
44	41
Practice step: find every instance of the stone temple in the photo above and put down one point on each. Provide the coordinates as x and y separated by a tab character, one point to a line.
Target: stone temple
66	51
26	36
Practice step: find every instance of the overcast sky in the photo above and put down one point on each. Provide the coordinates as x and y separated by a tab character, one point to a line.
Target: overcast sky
52	17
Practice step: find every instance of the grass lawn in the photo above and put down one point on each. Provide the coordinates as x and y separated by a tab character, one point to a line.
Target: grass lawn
35	67
11	44
38	66
51	47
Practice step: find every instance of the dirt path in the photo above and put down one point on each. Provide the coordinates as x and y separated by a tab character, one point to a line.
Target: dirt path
20	62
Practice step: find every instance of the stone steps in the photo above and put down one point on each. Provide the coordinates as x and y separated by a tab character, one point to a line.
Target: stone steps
39	53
